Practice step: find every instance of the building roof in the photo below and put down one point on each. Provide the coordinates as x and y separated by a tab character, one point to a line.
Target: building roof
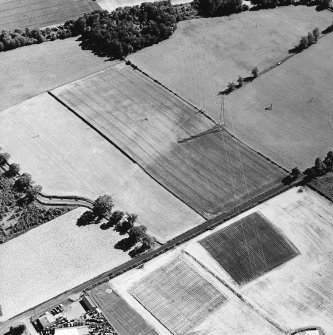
83	330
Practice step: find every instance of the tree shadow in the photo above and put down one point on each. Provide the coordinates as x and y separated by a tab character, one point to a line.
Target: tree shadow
125	244
327	30
137	251
87	218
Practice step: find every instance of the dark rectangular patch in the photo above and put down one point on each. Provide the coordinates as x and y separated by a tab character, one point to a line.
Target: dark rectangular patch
249	248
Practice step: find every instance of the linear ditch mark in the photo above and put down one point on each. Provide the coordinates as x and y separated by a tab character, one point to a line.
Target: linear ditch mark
237	294
124	153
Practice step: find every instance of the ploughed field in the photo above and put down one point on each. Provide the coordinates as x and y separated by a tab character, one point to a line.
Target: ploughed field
67	157
178	296
37	13
249	248
203	55
160	132
121	315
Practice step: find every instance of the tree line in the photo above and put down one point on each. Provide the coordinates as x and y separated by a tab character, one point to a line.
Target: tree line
122	222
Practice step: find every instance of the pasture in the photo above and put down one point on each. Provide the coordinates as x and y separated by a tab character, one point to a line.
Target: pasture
300	290
203	55
160	132
120	315
232	317
53	258
68	157
41	67
177	296
300	126
38	14
249	248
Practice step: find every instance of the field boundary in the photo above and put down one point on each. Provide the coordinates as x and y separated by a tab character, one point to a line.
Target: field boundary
237	294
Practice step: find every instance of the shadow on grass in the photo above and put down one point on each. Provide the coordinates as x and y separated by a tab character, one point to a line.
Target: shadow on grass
87	218
125	244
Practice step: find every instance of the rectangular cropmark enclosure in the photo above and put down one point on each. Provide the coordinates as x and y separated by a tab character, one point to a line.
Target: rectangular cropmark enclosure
249	248
178	296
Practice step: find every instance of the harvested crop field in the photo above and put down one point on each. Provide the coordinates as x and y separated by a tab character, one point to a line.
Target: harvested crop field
67	157
249	248
203	55
300	126
38	14
177	296
41	67
159	131
122	316
53	258
324	185
300	291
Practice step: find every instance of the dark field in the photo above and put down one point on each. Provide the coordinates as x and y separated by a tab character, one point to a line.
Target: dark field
177	296
249	248
324	185
124	319
41	13
208	173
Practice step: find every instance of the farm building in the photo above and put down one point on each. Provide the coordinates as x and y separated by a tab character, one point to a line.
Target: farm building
87	303
83	330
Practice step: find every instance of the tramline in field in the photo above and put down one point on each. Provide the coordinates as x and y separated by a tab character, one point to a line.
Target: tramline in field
178	296
208	172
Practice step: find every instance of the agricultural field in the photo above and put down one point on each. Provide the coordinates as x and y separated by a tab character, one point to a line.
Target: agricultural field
177	296
38	14
122	316
41	67
300	126
297	293
53	258
203	55
324	185
68	157
249	248
110	5
224	319
160	132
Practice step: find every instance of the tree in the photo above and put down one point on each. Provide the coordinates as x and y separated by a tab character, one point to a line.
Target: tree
32	192
103	205
137	233
14	169
316	34
23	182
311	39
18	330
320	167
303	44
148	242
328	161
255	72
240	81
4	157
231	86
295	173
116	217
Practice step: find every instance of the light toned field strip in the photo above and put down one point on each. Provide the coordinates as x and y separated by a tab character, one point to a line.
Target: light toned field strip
110	5
66	156
147	122
53	258
299	292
